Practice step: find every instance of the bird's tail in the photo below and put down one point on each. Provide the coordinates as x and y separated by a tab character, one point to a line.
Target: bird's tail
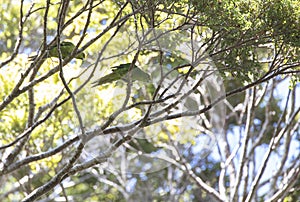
106	79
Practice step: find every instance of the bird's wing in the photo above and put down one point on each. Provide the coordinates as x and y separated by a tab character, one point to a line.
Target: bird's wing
66	48
114	76
106	79
120	72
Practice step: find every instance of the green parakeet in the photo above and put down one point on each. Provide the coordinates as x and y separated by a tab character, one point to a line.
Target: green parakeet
66	49
121	72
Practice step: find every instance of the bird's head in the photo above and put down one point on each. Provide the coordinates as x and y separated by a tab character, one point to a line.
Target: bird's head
80	56
70	46
67	44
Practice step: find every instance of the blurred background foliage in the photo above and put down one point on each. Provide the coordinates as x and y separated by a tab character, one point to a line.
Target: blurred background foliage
240	37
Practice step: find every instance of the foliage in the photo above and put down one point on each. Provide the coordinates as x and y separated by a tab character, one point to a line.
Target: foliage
194	129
